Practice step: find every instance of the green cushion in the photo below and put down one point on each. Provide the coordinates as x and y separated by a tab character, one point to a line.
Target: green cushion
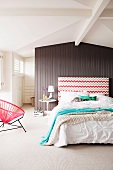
93	98
83	98
87	98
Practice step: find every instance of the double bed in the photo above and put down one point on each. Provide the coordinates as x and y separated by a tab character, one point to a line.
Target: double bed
84	113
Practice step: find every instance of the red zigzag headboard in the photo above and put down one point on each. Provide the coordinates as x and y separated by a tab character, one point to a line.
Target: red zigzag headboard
89	84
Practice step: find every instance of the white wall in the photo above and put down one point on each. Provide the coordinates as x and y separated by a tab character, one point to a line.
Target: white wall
6	91
29	79
1	69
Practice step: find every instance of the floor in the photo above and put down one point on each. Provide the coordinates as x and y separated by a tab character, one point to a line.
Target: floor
22	151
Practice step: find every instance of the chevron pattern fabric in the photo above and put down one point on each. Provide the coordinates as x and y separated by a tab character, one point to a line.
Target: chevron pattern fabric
79	84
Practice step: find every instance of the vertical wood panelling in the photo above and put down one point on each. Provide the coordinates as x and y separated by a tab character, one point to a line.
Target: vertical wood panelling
70	60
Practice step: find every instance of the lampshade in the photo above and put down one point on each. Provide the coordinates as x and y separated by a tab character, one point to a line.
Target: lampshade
50	89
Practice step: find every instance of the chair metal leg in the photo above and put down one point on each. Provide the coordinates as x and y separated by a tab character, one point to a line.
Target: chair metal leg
21	125
14	126
2	125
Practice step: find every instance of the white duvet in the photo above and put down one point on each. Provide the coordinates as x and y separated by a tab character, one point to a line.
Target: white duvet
88	131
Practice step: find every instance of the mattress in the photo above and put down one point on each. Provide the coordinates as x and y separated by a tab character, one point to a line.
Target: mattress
85	132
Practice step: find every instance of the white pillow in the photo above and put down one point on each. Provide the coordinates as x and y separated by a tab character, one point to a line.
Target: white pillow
84	93
96	94
69	96
105	99
102	97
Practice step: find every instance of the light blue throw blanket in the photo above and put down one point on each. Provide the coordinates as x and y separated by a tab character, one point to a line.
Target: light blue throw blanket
70	111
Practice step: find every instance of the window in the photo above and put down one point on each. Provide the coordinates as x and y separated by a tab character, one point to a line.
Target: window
18	66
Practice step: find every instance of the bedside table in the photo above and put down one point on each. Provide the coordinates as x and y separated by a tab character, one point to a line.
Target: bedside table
47	102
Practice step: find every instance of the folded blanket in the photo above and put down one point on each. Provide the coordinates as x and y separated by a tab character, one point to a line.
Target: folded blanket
76	119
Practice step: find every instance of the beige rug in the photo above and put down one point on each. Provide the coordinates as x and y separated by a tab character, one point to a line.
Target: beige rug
21	151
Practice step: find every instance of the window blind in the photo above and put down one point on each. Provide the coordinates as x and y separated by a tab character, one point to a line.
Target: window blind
18	66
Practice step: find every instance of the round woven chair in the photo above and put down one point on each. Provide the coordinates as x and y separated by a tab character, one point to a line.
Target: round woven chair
9	114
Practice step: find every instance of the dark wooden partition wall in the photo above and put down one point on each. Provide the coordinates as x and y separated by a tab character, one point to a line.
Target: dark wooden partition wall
70	60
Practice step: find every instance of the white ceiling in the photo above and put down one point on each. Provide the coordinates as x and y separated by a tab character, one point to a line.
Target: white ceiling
26	24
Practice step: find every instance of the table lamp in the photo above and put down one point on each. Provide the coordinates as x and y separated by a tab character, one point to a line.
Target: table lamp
50	90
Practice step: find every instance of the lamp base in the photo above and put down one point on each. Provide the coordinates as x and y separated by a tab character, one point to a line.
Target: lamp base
50	96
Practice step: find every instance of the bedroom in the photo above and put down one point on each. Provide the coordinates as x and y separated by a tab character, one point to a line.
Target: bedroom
98	65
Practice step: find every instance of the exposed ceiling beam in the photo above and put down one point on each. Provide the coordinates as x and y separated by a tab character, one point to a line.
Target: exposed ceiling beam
88	3
46	12
107	14
97	10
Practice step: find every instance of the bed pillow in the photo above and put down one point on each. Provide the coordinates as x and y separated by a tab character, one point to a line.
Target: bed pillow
99	96
94	98
96	94
87	98
68	96
84	98
76	99
106	99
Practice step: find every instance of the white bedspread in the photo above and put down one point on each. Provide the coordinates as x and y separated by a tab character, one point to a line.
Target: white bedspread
105	102
85	132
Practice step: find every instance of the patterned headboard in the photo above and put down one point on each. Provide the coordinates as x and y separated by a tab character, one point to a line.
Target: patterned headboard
78	84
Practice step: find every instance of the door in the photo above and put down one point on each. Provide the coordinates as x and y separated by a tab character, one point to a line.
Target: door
17	90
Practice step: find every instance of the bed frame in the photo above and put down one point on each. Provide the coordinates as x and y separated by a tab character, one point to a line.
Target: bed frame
79	84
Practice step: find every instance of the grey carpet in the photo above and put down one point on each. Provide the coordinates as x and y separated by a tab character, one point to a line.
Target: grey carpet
21	151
